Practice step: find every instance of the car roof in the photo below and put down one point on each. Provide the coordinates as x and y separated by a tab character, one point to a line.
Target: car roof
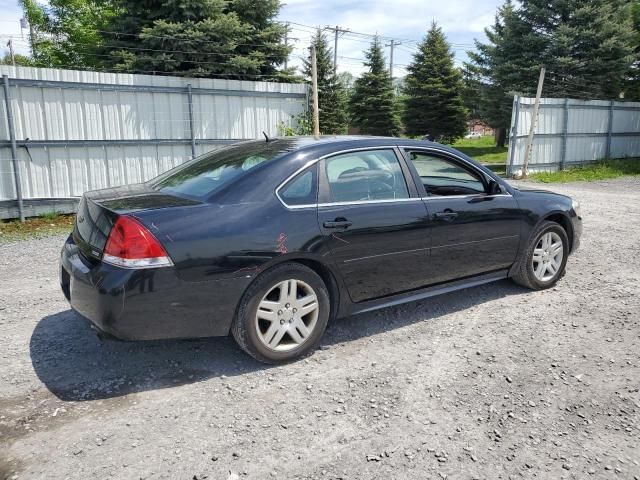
326	144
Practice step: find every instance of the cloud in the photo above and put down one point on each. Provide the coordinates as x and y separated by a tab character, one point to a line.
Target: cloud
461	20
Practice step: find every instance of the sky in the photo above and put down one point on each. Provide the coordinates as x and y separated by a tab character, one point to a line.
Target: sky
405	21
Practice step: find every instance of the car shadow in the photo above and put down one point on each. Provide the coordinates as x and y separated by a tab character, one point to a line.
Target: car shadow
76	365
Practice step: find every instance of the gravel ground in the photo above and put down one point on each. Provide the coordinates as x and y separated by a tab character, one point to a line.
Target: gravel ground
490	382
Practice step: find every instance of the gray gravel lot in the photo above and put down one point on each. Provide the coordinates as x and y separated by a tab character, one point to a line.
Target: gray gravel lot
490	382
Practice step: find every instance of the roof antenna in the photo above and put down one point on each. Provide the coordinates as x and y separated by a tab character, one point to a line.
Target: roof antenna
265	136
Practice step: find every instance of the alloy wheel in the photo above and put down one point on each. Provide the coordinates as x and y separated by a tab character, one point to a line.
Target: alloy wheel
287	315
547	256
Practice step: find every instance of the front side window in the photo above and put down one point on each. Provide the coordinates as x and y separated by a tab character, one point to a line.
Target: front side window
443	177
365	176
203	176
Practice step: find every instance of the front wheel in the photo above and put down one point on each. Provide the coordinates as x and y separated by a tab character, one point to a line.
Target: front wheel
283	314
543	262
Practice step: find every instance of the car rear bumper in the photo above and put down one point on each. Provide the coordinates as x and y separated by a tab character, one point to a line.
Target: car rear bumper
146	304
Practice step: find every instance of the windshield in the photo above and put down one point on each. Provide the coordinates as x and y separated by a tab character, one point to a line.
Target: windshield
203	176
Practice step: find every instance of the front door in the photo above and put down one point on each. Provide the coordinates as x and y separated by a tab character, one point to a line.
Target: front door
475	230
374	223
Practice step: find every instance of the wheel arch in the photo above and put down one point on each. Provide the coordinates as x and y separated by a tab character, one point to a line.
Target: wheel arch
320	268
329	279
562	219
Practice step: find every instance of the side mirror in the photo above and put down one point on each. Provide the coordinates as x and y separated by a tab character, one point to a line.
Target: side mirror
494	187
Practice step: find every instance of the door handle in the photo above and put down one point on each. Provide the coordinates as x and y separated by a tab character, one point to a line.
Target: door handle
337	224
446	215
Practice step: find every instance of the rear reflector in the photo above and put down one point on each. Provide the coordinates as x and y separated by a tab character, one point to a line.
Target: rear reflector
131	245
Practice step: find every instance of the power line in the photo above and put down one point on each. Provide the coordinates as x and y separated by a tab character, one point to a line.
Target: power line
408	45
193	52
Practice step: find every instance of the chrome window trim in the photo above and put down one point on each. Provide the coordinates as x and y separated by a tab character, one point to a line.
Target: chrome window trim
310	163
472	195
368	202
457	157
333	154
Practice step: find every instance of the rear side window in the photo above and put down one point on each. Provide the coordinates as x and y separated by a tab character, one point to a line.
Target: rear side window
365	176
205	175
302	189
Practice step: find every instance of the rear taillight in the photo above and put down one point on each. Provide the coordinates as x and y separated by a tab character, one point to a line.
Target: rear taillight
131	245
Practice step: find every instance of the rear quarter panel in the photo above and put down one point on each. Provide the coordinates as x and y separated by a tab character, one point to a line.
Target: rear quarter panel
213	242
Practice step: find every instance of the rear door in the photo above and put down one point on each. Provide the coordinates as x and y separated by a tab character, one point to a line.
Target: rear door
374	222
474	230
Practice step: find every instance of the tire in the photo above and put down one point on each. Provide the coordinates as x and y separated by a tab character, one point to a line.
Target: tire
526	275
273	323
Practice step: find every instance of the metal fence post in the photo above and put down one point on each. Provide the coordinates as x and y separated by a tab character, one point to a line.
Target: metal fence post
610	129
191	127
14	150
565	131
513	135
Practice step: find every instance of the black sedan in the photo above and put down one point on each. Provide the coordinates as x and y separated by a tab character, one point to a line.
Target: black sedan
269	240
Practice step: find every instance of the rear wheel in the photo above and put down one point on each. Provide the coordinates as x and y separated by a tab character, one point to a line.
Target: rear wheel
283	314
543	262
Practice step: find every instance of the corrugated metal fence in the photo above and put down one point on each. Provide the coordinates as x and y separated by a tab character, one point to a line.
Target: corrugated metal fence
572	132
77	131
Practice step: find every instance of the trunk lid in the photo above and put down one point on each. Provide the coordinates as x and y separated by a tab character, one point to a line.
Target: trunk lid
99	209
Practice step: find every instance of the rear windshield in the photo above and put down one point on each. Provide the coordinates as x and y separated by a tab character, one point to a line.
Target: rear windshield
205	175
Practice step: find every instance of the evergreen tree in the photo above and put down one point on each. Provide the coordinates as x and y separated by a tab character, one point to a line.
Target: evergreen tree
332	97
588	45
372	103
231	38
433	89
585	45
632	87
508	64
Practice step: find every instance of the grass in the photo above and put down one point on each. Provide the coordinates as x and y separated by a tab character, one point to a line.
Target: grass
602	170
35	227
482	149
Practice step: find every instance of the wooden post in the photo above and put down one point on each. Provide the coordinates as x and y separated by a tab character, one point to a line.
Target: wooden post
192	131
314	84
534	119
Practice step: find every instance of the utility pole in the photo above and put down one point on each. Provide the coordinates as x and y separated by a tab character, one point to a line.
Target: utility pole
286	43
314	83
534	120
13	58
335	50
336	31
32	38
392	43
32	34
